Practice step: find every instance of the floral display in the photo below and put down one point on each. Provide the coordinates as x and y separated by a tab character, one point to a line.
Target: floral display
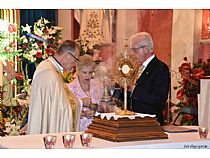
13	122
40	41
189	87
69	76
7	40
35	44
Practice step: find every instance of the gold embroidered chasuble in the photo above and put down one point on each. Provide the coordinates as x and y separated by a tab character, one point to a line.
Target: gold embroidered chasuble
53	108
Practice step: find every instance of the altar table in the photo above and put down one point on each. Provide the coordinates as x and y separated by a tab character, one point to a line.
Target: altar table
187	140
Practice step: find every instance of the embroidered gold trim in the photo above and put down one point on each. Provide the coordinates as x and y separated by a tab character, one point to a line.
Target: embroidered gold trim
72	102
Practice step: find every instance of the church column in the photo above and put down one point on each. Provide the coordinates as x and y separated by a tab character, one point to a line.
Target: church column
65	21
127	22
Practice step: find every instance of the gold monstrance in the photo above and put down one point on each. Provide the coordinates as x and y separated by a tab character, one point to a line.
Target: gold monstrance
124	70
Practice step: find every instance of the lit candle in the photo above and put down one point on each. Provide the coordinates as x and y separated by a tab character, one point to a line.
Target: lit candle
1	73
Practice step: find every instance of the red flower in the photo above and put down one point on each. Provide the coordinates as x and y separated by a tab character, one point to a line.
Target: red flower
176	111
192	77
185	67
19	76
24	46
11	28
180	94
40	45
49	51
198	73
188	117
184	81
13	44
39	55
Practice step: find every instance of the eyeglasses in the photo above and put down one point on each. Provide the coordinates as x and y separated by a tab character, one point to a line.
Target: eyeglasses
135	49
73	56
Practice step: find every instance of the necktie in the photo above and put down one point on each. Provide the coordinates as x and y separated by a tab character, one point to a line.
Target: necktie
138	74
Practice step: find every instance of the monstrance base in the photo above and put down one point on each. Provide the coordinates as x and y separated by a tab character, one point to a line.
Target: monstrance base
125	112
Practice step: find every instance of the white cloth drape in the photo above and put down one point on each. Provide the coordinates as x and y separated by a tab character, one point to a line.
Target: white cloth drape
105	19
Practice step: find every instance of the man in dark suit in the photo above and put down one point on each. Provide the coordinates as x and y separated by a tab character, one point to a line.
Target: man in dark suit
149	93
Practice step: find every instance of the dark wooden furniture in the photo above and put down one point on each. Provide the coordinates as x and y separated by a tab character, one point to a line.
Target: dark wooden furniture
125	129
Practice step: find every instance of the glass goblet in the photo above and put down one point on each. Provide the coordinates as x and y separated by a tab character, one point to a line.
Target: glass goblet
68	140
49	141
203	132
86	139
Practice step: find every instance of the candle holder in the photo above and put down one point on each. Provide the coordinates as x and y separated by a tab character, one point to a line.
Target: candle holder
49	141
86	139
203	132
68	140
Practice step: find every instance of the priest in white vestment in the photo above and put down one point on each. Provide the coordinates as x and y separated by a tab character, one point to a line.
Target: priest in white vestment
53	108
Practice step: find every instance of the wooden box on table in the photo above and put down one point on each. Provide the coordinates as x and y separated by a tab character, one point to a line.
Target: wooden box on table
125	129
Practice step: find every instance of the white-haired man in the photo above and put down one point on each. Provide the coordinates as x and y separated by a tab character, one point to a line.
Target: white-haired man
150	92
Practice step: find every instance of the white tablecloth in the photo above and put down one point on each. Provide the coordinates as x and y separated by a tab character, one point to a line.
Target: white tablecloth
189	140
204	103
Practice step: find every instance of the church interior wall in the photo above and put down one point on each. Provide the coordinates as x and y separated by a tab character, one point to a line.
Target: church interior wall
176	34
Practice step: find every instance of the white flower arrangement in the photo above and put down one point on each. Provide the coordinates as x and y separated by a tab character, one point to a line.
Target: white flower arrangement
35	44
